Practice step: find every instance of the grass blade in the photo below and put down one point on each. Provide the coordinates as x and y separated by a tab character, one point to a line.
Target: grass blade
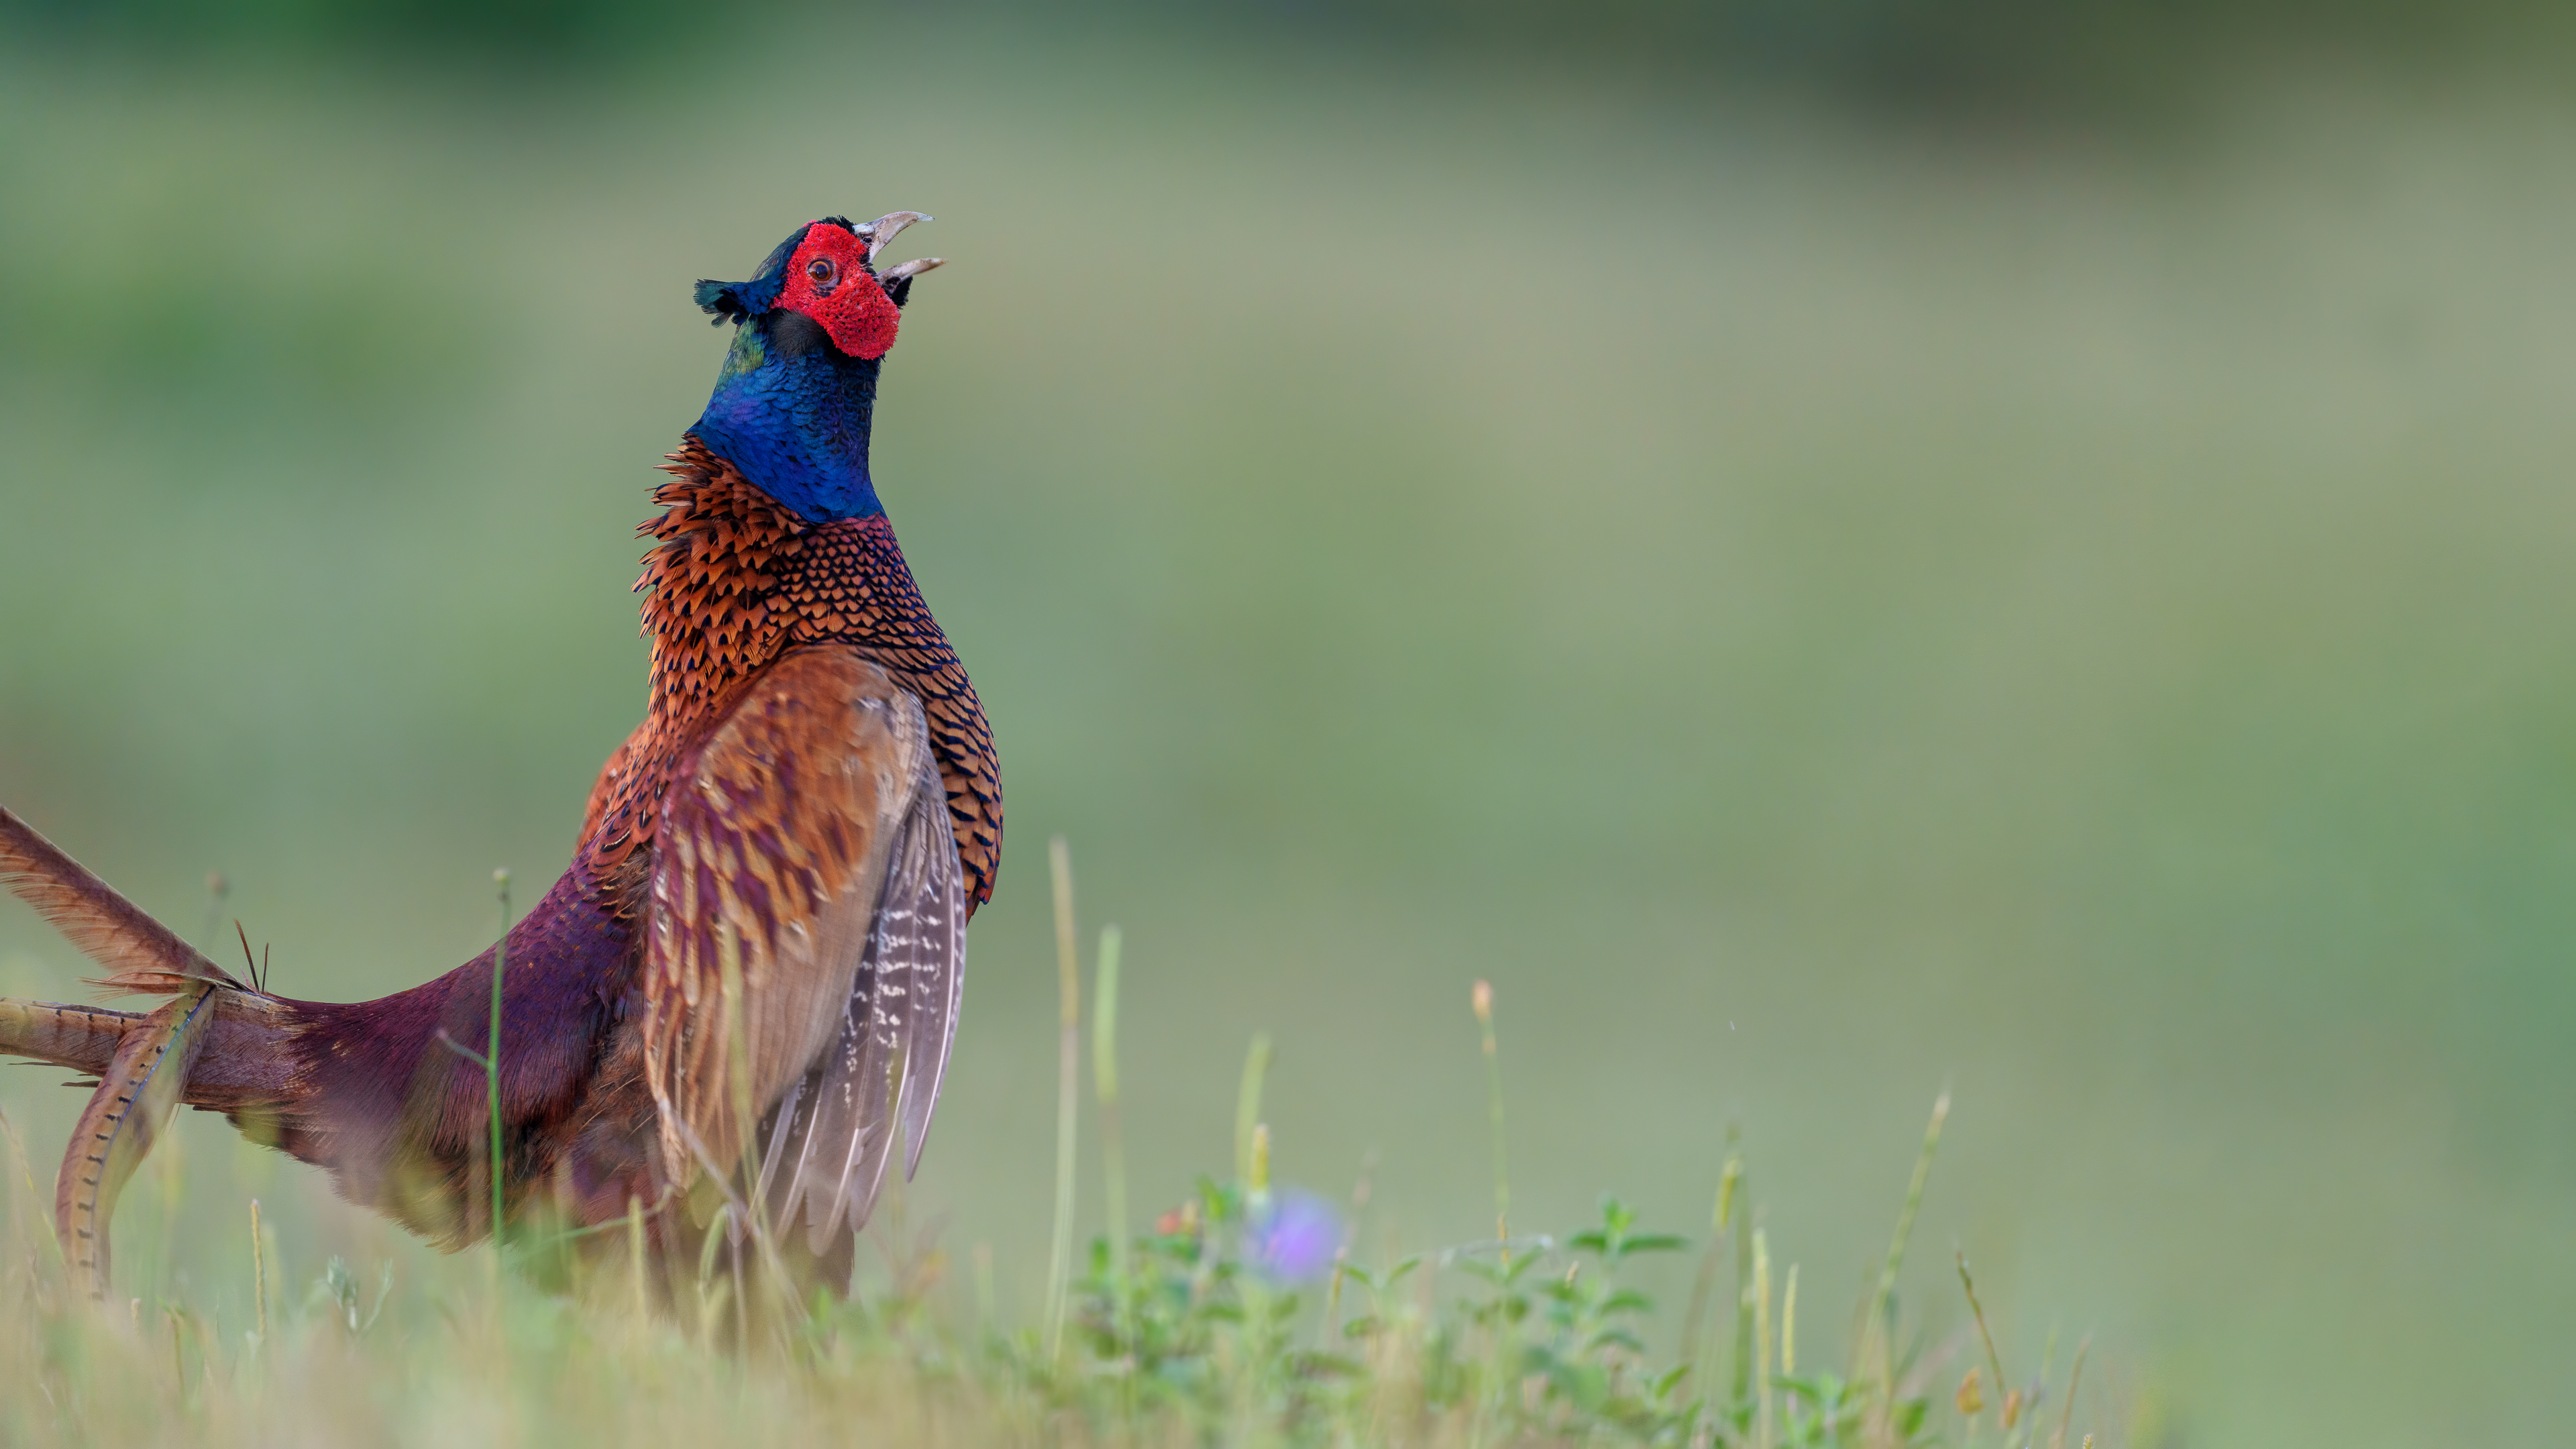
1879	1333
492	1048
1247	1103
1482	998
1068	1088
1104	1068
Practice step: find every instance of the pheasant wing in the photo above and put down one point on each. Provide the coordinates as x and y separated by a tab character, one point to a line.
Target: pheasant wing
806	936
829	1138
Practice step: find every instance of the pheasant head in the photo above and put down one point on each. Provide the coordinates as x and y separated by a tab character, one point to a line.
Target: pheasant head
797	394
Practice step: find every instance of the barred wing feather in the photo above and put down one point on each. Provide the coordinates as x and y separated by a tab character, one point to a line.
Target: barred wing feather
806	842
829	1138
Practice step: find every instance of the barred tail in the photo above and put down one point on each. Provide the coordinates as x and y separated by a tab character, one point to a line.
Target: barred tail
132	1107
140	953
83	1038
143	1061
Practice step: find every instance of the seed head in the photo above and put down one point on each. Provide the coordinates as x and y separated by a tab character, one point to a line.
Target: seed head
1972	1394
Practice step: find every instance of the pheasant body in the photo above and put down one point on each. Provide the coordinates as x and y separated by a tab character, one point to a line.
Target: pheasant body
737	581
781	859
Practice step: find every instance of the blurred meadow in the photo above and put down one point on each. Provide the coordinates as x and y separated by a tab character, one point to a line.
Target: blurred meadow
1818	594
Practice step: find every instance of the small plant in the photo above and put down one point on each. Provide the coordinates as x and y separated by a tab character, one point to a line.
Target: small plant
1191	1328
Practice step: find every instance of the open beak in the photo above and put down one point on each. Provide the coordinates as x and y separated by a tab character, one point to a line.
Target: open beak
885	229
913	268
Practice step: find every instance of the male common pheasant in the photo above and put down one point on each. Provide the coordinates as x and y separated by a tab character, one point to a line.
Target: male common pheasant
763	929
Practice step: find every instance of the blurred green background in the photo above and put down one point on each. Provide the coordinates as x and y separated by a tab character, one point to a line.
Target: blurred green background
1827	555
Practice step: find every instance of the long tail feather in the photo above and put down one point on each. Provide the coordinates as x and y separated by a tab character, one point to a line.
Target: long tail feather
83	1038
131	1108
144	1061
140	953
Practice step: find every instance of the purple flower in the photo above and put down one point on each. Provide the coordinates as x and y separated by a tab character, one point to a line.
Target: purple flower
1293	1237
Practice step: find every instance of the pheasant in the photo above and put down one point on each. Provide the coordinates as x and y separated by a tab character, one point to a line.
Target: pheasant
749	976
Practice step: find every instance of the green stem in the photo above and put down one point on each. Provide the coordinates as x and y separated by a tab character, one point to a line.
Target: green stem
1697	1331
1113	1156
1247	1105
1483	1000
259	1274
635	1258
1742	1385
1068	1091
492	1048
1880	1331
1104	1068
1994	1360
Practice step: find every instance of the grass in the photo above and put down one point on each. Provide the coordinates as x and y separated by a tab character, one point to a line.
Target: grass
1248	1314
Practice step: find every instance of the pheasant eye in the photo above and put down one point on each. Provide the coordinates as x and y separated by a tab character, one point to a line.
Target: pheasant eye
822	271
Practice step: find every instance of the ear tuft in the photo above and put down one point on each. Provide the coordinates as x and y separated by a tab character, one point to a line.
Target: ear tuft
737	301
717	299
742	301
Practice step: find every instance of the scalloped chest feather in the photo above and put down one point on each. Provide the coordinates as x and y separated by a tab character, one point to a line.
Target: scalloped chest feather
736	581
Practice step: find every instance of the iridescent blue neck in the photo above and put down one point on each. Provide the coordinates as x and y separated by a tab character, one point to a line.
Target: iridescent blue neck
791	412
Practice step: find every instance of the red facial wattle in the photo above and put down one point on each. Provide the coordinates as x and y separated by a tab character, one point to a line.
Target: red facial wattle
828	280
